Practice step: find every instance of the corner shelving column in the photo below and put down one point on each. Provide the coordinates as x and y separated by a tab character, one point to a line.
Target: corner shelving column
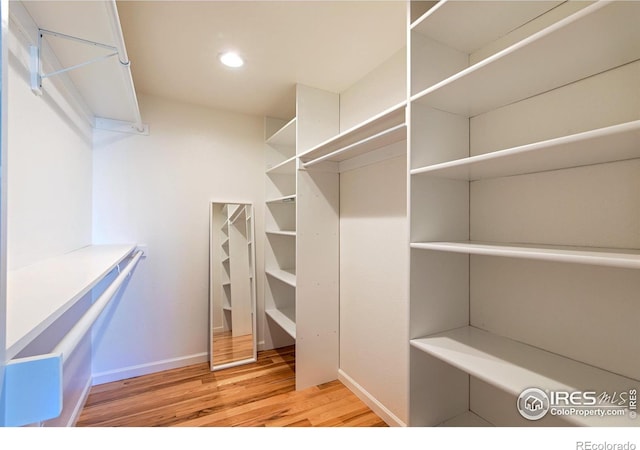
280	228
524	210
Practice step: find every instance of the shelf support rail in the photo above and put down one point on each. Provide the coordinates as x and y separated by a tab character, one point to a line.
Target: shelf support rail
33	386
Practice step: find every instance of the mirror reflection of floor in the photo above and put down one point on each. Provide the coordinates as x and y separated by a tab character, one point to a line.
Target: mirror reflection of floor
227	348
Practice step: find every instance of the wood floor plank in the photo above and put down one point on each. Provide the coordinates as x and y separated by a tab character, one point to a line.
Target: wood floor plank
252	395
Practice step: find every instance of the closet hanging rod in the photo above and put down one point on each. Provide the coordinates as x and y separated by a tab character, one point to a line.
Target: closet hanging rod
71	340
33	386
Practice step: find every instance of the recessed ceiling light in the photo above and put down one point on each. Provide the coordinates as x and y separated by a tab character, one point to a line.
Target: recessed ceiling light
231	59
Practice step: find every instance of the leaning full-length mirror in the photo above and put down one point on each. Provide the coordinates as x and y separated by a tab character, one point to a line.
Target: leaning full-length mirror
232	288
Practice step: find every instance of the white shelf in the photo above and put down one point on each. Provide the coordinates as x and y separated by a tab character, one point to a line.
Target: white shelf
225	260
468	26
530	67
37	295
282	233
285	167
286	276
513	367
285	137
384	129
466	419
614	143
285	318
627	259
239	212
285	199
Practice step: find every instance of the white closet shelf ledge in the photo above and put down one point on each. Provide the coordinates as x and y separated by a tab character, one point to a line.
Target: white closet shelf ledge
529	67
285	318
614	143
513	367
281	232
622	258
285	137
287	276
284	199
39	294
469	26
383	129
285	167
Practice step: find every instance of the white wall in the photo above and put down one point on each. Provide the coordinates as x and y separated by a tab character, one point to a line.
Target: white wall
374	259
49	182
380	89
48	197
156	190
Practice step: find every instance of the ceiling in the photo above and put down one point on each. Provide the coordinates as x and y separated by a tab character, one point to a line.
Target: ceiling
174	45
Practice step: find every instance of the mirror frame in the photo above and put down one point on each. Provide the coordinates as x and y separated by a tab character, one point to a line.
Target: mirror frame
217	221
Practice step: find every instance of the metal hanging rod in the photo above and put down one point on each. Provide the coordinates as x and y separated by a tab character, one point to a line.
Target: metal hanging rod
33	385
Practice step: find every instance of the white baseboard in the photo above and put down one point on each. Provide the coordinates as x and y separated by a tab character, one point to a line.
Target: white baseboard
75	415
145	369
390	419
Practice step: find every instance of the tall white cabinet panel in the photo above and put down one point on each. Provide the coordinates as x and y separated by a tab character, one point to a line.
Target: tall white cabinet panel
524	188
301	292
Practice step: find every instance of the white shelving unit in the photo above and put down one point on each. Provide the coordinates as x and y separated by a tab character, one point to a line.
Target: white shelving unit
280	298
513	367
524	201
232	279
39	294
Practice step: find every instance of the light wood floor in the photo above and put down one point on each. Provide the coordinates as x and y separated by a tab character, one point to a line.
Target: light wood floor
258	394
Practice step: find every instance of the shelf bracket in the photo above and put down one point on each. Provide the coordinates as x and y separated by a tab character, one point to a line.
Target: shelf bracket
35	64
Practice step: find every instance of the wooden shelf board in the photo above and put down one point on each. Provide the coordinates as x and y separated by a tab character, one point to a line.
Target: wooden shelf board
613	143
383	129
39	294
466	419
285	318
513	366
560	54
468	26
286	167
285	199
287	276
285	137
622	258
